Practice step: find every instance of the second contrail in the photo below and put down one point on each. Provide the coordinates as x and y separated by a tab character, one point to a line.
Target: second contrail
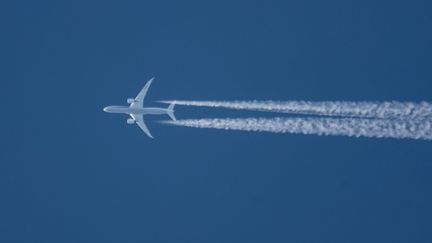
356	127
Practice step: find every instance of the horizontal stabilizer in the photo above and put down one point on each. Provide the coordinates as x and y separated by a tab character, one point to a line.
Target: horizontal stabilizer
171	111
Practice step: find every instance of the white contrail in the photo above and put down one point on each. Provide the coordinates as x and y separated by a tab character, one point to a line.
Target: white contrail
393	109
376	128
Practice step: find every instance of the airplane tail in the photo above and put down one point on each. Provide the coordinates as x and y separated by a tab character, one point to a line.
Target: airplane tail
171	111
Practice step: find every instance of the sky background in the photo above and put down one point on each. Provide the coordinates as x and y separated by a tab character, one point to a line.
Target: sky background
71	173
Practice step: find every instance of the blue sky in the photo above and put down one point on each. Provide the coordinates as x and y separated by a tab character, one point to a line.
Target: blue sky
71	173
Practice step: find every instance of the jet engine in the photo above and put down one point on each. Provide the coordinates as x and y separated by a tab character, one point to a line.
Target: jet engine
130	101
130	121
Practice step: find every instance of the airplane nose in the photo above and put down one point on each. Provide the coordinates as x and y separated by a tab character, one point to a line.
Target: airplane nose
105	109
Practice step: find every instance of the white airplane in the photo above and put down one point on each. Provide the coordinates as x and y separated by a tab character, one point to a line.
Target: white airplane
136	109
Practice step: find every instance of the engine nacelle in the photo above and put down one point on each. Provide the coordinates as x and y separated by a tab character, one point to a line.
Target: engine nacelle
130	101
130	121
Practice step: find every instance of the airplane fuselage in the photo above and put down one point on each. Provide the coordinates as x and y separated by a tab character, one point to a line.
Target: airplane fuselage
137	111
140	111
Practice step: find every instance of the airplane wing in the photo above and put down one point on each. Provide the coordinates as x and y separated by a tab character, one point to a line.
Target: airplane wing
140	122
139	100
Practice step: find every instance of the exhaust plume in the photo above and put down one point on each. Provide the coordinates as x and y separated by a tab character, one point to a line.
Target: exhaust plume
364	109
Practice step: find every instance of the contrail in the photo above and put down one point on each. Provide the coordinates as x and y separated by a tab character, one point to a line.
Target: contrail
365	109
356	127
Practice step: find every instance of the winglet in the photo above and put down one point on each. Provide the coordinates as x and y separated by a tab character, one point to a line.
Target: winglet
171	111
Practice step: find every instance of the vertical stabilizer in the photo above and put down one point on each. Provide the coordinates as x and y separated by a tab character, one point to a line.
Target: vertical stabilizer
171	111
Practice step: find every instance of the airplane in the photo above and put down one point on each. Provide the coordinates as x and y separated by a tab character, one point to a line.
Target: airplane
136	109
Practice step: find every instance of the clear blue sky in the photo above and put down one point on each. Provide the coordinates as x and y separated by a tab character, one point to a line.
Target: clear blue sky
71	173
